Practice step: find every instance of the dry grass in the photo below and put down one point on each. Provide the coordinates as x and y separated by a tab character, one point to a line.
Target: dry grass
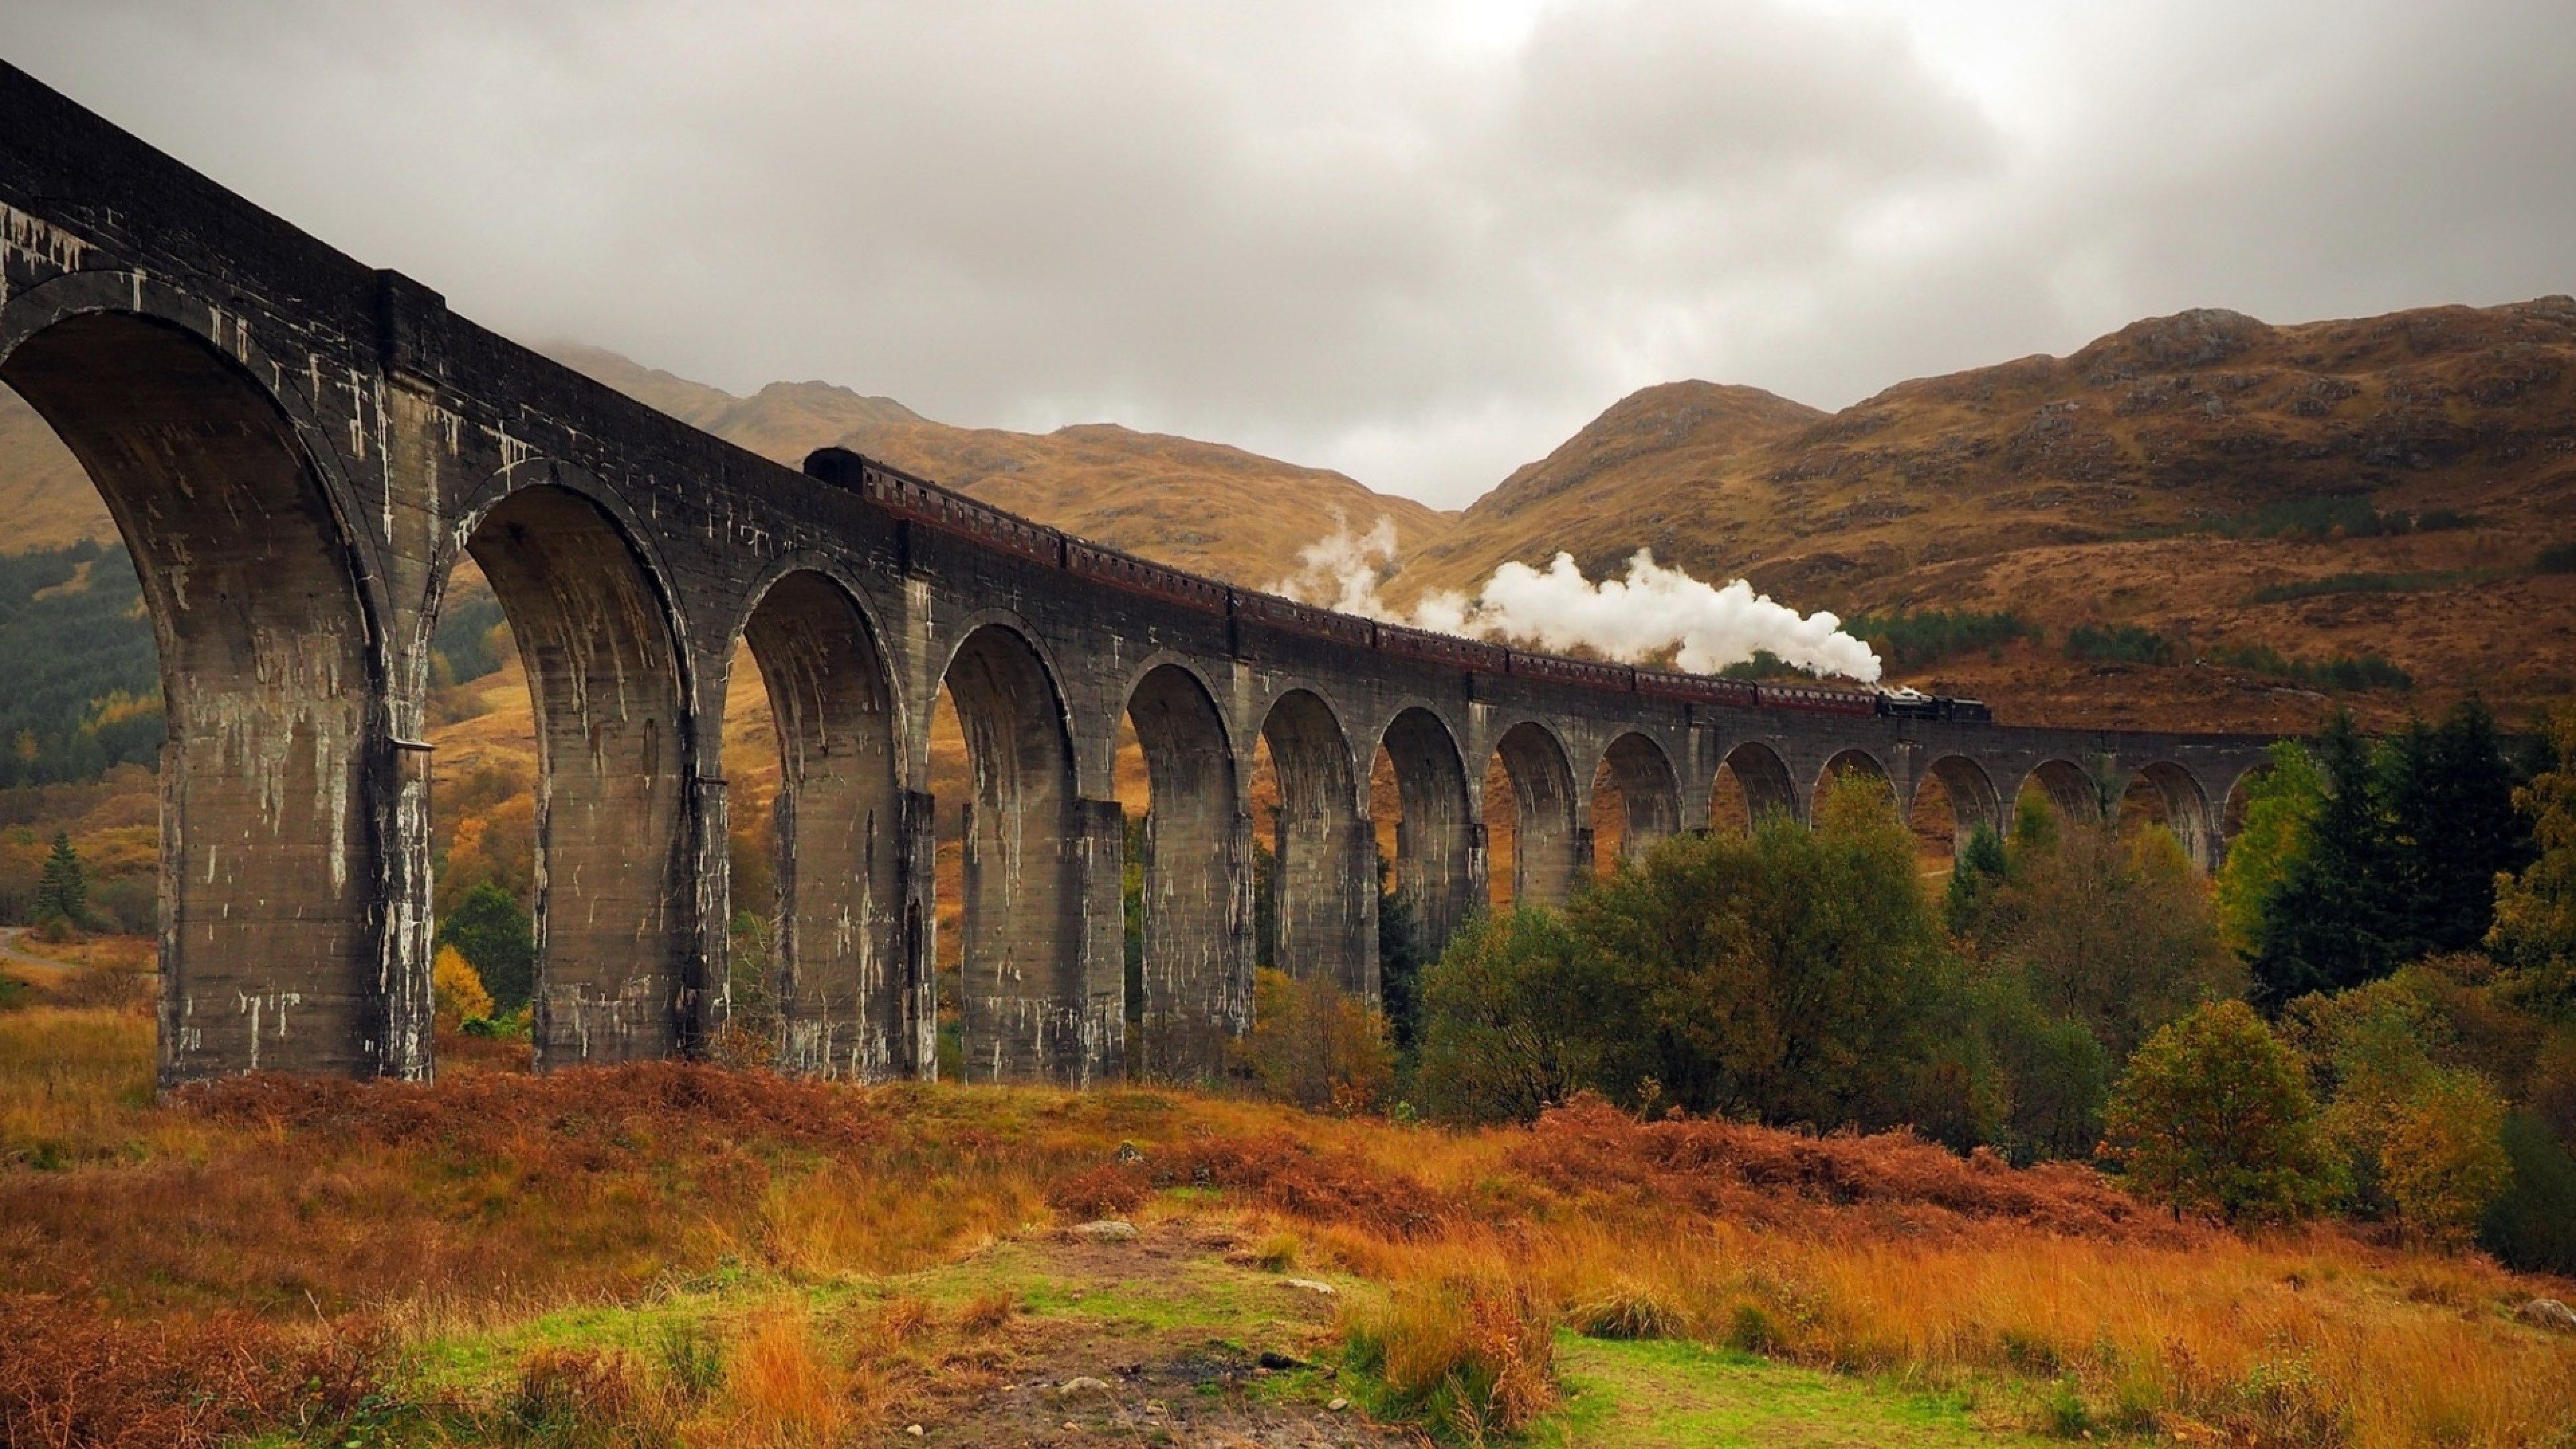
286	1216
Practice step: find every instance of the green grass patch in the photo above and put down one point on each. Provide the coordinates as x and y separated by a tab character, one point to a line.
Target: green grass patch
1640	1393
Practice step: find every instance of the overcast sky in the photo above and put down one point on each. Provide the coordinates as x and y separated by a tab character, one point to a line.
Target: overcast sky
1421	243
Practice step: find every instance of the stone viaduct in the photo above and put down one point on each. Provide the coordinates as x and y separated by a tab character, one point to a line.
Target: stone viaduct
298	449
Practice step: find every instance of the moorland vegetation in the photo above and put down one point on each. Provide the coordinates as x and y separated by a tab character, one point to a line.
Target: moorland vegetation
2077	1144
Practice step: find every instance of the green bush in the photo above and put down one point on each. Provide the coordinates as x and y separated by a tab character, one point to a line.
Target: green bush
1786	975
2119	644
2214	1116
1515	1012
1912	639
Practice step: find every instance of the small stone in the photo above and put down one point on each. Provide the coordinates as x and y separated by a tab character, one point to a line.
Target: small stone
1107	1230
1338	1405
913	1429
1071	1427
2548	1313
1081	1384
1309	1285
1129	1152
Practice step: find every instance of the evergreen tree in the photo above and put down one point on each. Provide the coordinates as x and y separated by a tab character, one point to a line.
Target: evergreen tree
2450	804
2335	920
491	930
1973	881
62	892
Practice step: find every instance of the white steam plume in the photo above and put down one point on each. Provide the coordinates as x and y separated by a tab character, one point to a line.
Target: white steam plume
1629	619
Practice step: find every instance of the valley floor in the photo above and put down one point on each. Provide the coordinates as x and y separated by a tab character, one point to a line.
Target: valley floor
669	1253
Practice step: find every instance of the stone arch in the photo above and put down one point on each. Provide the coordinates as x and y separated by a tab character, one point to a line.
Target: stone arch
1650	794
1769	788
2066	785
279	770
1547	835
1972	795
618	961
2186	808
1435	845
1324	857
1194	990
1030	1011
852	1001
1855	762
2231	815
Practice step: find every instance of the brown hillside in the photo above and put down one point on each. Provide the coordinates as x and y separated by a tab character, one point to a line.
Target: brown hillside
1202	506
2104	488
1582	496
44	496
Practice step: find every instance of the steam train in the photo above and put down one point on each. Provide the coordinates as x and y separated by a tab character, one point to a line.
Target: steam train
919	501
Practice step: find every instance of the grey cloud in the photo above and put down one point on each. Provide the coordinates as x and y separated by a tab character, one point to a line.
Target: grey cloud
1339	231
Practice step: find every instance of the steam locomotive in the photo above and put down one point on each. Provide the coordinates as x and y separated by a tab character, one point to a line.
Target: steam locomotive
920	501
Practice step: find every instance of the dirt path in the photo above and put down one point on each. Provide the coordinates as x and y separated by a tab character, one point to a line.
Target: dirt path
1166	1339
45	972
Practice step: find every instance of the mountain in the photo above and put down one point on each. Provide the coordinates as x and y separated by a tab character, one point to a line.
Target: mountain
1201	506
2277	506
1636	477
2328	490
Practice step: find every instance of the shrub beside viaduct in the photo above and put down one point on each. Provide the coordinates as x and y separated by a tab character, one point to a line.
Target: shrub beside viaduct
298	450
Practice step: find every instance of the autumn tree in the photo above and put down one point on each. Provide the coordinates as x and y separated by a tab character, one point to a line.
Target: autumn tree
492	931
1784	974
2115	932
1788	975
2214	1116
2420	1130
1315	1045
456	990
2443	1155
2280	801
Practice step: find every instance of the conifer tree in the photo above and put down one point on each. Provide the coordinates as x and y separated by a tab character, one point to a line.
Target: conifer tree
1973	880
62	892
2335	920
2454	829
